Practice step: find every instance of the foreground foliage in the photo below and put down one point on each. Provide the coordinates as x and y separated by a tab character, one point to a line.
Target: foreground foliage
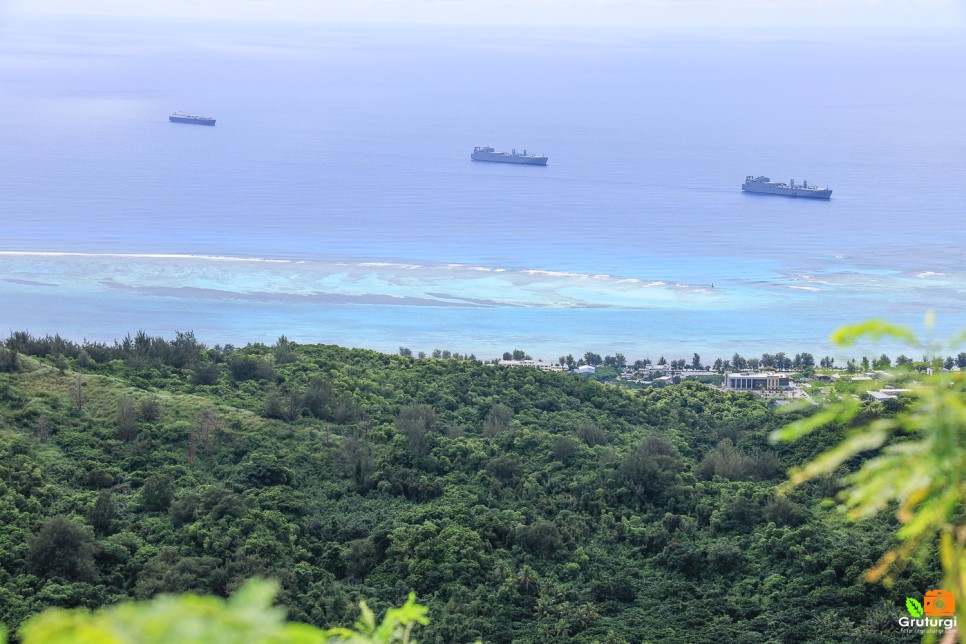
918	466
518	505
248	616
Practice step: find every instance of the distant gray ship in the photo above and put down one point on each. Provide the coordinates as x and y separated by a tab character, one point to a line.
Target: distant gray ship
487	154
181	117
766	186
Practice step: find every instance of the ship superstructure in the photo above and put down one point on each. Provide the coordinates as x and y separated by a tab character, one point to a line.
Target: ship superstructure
765	186
488	154
181	117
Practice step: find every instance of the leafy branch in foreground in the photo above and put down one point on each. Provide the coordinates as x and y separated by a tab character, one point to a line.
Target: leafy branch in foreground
918	462
396	626
248	616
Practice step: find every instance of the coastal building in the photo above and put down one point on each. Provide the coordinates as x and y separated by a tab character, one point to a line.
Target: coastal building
757	381
887	393
586	369
538	364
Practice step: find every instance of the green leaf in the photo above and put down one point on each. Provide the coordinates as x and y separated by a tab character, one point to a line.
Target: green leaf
366	624
873	330
256	594
914	607
248	616
842	413
869	438
958	340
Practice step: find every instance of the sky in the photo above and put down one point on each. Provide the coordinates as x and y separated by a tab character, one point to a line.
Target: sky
919	14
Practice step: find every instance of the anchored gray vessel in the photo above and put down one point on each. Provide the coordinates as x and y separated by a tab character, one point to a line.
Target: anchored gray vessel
766	186
487	154
181	117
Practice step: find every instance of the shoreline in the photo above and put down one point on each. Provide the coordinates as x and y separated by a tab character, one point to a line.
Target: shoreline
840	359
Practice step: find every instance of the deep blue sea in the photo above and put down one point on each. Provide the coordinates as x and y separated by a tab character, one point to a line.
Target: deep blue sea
335	200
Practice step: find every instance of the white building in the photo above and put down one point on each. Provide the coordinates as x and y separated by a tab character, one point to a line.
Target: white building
538	364
757	381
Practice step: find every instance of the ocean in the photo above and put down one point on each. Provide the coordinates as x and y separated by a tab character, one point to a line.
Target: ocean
335	200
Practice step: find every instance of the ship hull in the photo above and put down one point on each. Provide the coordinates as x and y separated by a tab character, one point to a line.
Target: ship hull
499	158
191	121
807	193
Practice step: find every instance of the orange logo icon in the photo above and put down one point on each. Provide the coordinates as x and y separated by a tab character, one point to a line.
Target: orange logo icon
939	603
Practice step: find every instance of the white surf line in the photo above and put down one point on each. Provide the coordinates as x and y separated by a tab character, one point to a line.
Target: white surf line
218	258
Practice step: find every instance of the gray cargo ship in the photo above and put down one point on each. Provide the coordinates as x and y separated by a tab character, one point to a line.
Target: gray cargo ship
181	117
766	186
487	154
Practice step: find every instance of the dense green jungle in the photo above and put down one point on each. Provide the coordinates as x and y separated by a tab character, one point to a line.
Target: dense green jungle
518	505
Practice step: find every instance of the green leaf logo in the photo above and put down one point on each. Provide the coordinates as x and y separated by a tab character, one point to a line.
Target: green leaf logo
914	607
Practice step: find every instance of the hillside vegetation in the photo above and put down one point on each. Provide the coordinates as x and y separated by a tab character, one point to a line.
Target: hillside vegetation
518	505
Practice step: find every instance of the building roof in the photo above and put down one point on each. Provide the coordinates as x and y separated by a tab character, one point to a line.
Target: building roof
880	396
759	374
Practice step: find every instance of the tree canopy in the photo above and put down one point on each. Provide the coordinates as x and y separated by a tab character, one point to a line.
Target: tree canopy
519	505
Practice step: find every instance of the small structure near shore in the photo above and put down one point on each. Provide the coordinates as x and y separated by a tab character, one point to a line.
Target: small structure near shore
888	393
539	364
757	382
